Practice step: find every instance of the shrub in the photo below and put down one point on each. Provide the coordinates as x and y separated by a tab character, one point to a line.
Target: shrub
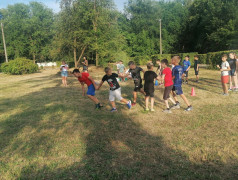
19	66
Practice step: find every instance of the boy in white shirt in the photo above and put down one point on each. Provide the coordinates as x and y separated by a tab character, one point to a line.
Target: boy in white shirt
224	68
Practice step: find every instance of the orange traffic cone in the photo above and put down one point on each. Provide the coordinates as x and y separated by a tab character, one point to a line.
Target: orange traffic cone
193	92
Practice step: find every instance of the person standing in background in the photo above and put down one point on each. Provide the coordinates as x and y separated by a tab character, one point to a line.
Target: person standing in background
64	73
85	64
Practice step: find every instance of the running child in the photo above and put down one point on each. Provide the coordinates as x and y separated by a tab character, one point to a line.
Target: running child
84	78
168	83
115	89
64	73
225	69
196	67
149	88
134	71
232	73
186	67
177	74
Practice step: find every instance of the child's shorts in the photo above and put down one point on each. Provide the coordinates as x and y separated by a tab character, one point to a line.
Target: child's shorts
178	90
91	90
225	79
116	94
138	85
64	73
186	73
149	94
232	72
167	91
196	72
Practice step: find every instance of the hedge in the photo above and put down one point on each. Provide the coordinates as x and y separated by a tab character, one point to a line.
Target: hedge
19	66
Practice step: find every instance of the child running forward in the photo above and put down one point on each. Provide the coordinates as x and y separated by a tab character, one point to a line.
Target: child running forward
225	69
134	71
168	83
84	78
177	74
115	89
149	88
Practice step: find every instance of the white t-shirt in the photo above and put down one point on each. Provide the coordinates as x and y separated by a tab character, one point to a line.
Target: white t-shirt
225	65
64	67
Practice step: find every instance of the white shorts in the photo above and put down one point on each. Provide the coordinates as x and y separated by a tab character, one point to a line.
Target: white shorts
115	95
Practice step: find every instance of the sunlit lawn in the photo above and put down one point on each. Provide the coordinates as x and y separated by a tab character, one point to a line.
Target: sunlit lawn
51	132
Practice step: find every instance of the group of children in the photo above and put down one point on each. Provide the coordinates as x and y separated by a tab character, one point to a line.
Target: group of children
172	80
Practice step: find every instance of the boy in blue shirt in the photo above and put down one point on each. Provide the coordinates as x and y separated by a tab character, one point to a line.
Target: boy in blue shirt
186	67
177	75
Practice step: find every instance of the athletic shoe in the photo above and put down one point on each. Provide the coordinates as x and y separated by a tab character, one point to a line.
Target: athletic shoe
129	105
176	106
224	94
236	89
189	108
167	111
152	110
186	82
133	104
114	110
229	89
147	109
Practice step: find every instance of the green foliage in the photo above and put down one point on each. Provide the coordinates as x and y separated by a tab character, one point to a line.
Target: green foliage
19	66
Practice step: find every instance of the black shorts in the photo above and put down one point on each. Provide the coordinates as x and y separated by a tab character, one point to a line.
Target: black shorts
149	94
186	73
232	72
167	91
85	68
196	72
138	85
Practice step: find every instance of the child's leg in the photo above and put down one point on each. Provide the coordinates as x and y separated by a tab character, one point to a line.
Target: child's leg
166	103
171	99
125	101
147	102
230	82
234	79
94	99
225	88
66	81
152	102
185	99
175	97
63	80
135	96
113	104
142	91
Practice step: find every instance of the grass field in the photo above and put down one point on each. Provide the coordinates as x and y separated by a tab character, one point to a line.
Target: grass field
51	132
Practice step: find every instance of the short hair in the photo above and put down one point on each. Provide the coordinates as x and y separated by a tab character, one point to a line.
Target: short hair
149	65
177	58
225	55
187	56
120	61
107	69
196	56
158	60
76	71
165	61
131	63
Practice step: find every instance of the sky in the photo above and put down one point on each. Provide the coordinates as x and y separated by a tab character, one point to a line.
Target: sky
53	4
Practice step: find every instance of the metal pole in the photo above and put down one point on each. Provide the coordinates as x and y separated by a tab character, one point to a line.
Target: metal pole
161	51
4	43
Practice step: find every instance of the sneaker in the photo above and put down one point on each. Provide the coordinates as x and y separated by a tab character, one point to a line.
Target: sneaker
189	108
229	89
114	110
133	104
152	110
186	82
167	111
147	109
98	106
129	105
224	94
176	106
236	89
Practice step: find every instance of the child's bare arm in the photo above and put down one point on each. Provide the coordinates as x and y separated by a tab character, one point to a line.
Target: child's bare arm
91	79
83	89
173	77
100	85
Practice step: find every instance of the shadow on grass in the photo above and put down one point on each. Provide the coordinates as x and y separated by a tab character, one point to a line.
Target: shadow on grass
116	146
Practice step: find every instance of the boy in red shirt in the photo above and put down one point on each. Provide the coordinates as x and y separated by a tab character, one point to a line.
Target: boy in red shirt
84	78
168	83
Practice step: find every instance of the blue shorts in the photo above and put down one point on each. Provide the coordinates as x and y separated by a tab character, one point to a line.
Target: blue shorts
64	73
91	90
178	90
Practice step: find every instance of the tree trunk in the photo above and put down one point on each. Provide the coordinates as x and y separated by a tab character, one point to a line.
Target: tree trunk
34	58
95	30
75	54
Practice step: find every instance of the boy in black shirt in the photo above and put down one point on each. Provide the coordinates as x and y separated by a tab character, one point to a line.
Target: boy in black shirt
115	89
135	73
233	75
149	88
196	67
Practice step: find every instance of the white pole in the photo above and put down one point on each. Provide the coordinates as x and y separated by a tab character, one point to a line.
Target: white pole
4	43
161	51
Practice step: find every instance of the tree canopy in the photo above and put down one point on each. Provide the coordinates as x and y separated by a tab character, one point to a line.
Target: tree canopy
96	29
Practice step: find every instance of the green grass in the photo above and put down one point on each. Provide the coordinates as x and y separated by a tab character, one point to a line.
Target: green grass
51	132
